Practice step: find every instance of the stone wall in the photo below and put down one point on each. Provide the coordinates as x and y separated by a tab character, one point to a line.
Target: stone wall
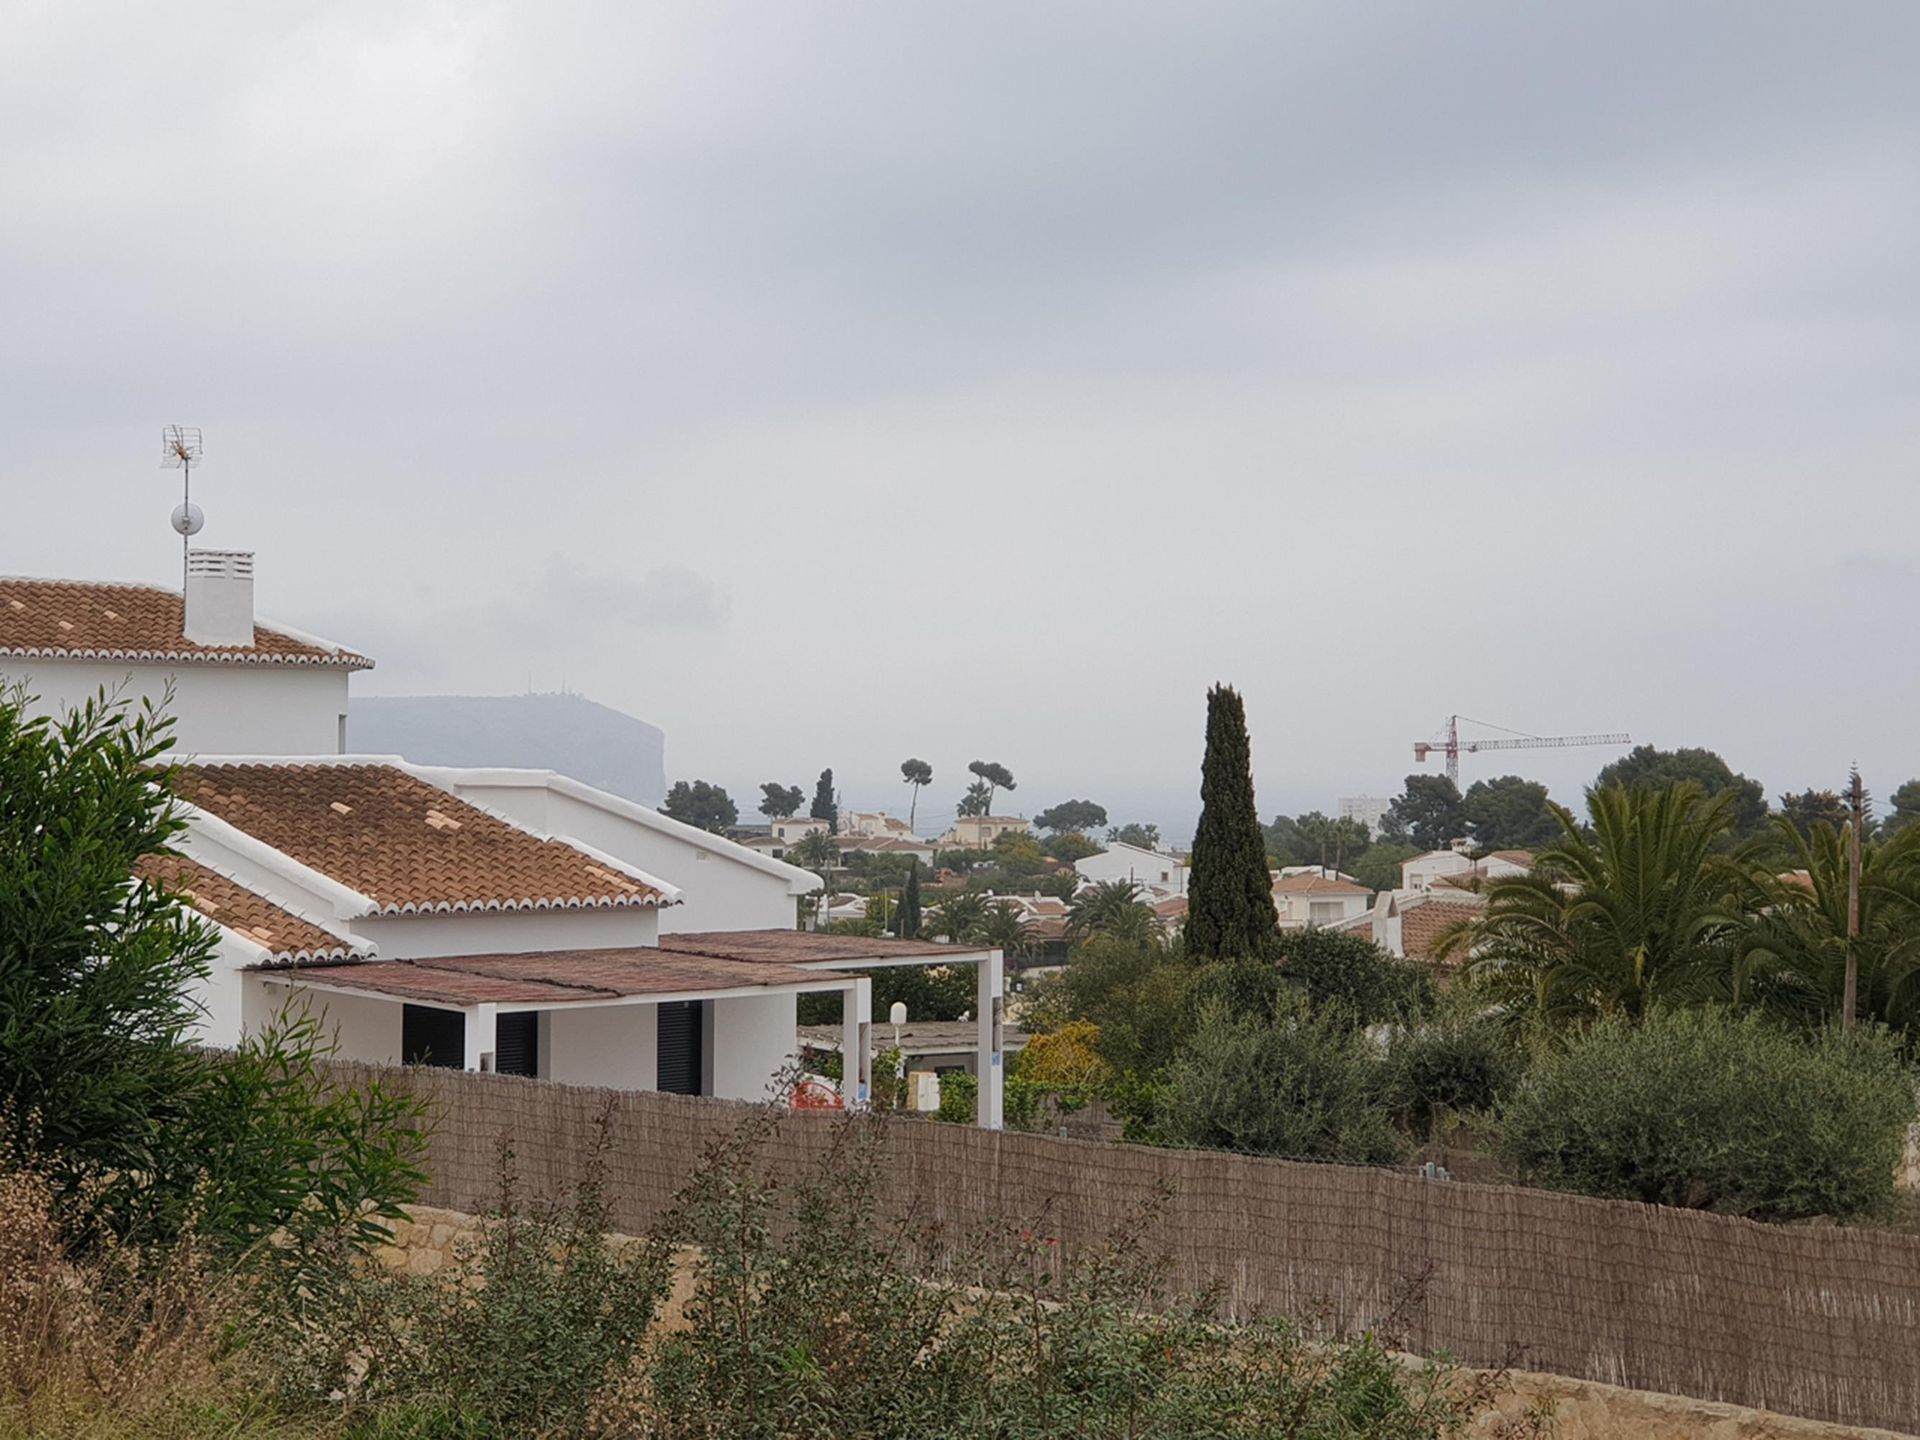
432	1241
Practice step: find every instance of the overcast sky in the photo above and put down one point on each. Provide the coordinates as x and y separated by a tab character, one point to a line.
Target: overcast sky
829	384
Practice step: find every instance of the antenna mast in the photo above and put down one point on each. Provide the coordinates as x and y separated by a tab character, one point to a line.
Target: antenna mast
179	449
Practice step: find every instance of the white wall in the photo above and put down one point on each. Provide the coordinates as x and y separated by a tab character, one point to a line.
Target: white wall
367	1029
753	1037
219	709
221	995
613	1045
1420	872
508	932
720	892
1123	862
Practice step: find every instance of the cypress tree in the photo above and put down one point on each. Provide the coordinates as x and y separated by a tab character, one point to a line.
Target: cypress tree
1230	911
910	903
824	807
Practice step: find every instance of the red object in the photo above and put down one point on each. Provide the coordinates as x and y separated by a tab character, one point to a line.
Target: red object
816	1095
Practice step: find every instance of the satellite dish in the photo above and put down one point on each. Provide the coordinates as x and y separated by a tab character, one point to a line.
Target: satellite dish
187	519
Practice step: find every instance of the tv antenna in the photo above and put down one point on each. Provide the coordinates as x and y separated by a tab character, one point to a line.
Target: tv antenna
180	450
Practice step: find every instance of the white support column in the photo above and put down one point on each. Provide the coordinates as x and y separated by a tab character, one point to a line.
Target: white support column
990	1014
482	1023
856	1043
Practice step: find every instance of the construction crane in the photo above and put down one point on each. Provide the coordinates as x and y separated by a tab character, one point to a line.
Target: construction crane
1448	742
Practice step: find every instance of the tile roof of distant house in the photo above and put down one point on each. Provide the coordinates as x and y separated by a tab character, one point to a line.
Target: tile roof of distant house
1512	857
284	935
405	844
103	620
1422	925
1311	884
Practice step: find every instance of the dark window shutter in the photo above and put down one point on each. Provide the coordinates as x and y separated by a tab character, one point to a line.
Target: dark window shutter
681	1051
433	1037
516	1043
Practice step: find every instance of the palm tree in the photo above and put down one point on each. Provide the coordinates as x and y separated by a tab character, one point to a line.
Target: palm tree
1793	956
1113	908
959	917
1006	929
1637	908
815	852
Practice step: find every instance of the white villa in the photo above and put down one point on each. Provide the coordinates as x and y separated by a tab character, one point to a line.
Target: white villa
488	919
1309	897
1152	868
978	832
1455	868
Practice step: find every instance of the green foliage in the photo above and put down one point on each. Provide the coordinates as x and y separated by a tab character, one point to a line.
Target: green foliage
1640	907
1813	807
94	971
993	775
1112	908
777	802
817	851
1455	1063
1317	839
1143	837
1647	768
1905	803
962	862
1299	1083
1071	846
1006	929
1428	814
909	926
959	1098
1379	868
1508	814
1353	976
1133	991
1072	815
824	806
918	774
700	804
959	917
977	801
1711	1111
1230	891
1018	855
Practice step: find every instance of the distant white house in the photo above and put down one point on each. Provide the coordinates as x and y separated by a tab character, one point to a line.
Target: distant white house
1312	898
1455	868
792	829
874	825
978	832
239	684
1163	872
1369	810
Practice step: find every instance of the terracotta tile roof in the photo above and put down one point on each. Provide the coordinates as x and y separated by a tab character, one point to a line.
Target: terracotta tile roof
89	620
557	977
407	845
1422	925
804	947
229	903
1316	885
1512	857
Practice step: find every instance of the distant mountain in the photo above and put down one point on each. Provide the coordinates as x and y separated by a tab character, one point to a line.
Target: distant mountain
568	733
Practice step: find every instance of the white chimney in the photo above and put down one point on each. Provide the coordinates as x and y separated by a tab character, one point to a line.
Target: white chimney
219	597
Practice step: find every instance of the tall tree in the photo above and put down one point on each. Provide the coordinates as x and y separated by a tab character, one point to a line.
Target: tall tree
777	802
1635	908
976	801
1906	808
1813	807
1071	815
918	774
994	776
1230	910
1428	812
815	852
699	803
824	806
1645	767
1112	907
1317	839
1143	837
910	904
1508	814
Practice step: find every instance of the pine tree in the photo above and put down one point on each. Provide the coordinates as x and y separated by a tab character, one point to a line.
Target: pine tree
1230	910
910	904
823	805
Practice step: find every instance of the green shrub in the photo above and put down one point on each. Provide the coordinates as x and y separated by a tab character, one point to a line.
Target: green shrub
1344	972
1703	1109
1304	1084
959	1098
1451	1064
1134	991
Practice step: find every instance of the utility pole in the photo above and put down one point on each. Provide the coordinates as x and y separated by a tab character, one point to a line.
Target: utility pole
1857	813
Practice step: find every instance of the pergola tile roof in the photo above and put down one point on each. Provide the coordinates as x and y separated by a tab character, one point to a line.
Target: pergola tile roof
806	947
408	845
229	903
98	620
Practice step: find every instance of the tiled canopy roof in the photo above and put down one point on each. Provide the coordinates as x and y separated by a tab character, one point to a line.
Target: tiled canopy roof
228	903
83	620
407	845
802	947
